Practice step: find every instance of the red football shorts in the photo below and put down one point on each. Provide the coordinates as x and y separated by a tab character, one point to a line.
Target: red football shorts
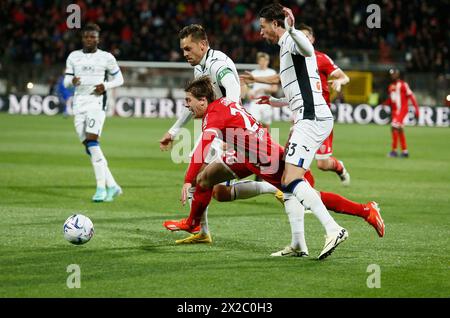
326	148
398	120
271	174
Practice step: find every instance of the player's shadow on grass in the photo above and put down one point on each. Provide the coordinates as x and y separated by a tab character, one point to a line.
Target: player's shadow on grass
52	191
60	191
71	187
48	187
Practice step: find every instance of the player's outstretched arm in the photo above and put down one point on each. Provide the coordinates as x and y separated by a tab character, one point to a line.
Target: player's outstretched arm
302	45
165	143
273	101
170	135
338	79
249	78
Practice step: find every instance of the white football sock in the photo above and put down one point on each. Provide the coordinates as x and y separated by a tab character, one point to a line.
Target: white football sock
307	196
204	222
99	163
110	181
296	213
190	195
204	219
266	187
248	189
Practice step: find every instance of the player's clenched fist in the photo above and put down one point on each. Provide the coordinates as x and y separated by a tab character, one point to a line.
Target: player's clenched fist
263	100
76	81
184	192
165	143
289	18
99	89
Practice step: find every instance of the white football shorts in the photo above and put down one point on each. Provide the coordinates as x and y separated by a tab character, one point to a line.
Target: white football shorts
307	136
89	122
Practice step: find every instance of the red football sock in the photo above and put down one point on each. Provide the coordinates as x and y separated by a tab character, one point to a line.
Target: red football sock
339	204
338	168
200	202
310	178
402	140
394	139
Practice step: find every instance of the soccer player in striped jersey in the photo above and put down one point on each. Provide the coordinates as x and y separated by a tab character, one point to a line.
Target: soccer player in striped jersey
327	70
88	70
313	121
399	95
225	81
206	61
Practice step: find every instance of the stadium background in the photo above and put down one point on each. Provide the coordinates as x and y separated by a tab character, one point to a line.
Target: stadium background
414	37
44	176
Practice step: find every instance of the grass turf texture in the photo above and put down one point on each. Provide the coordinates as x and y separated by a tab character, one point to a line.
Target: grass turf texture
45	176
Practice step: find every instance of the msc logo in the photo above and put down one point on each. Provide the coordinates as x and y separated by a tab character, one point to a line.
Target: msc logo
88	69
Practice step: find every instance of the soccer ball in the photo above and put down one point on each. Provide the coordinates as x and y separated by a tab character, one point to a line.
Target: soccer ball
78	229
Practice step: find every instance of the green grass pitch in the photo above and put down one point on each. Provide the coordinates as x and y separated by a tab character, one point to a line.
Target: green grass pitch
45	176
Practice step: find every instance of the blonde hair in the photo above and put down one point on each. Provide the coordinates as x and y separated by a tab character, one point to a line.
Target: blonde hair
262	54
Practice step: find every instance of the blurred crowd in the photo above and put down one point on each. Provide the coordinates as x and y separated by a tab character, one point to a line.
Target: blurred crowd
414	32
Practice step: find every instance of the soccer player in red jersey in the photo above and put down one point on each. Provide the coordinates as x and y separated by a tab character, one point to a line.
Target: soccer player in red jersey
399	94
327	70
252	152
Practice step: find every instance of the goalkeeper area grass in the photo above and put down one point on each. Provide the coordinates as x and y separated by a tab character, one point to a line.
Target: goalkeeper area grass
45	176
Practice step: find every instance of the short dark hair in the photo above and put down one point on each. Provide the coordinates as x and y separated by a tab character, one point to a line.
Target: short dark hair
273	12
197	32
201	87
91	27
303	26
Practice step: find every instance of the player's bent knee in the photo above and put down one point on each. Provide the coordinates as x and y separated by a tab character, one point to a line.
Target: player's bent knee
203	183
291	173
89	143
202	180
285	180
91	137
222	193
